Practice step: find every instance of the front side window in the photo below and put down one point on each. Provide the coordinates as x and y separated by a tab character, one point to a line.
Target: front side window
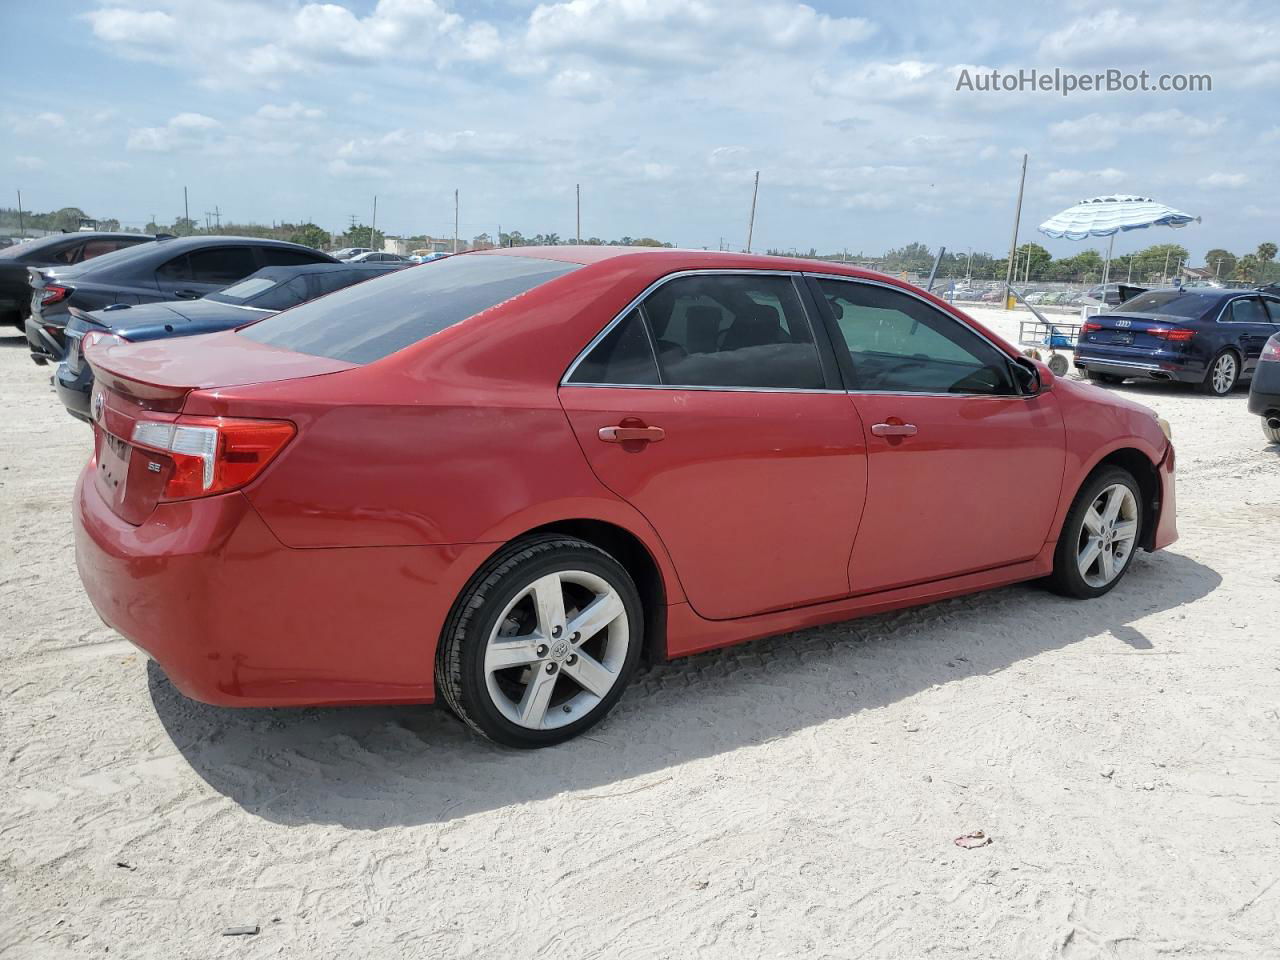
368	321
733	330
900	344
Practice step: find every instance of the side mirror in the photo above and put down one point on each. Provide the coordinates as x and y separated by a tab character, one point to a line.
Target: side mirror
1033	376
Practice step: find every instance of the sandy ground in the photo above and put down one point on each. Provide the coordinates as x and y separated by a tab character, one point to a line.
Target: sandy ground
798	796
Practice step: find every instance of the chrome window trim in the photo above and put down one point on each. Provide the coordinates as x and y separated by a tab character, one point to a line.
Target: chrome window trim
667	278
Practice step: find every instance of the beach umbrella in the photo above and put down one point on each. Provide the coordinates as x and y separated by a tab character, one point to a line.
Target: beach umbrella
1107	216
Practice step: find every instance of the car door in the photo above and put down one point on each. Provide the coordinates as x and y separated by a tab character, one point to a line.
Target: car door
1250	327
964	470
712	409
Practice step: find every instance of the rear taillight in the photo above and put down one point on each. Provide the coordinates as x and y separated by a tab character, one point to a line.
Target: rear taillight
1172	334
1091	326
53	293
212	454
1272	350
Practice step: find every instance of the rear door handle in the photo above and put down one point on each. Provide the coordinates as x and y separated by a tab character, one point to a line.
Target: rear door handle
621	434
894	429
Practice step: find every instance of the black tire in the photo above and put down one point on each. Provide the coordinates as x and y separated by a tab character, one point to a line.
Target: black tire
1110	379
460	667
1207	385
1067	578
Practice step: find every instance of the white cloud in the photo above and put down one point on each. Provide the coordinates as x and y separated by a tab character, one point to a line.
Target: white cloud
695	34
24	162
1102	131
51	119
291	111
1070	178
182	131
1230	181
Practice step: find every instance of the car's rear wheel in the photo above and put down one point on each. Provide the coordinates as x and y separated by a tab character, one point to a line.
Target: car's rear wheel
1099	536
1108	378
1272	433
542	643
1222	375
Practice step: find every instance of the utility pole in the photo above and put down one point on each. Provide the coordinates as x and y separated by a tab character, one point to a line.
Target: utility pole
455	220
186	212
373	226
968	267
1164	274
1027	278
1013	244
751	224
577	190
22	224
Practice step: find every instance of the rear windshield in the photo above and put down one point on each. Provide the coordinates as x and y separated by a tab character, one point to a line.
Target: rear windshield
371	320
242	291
27	246
1171	303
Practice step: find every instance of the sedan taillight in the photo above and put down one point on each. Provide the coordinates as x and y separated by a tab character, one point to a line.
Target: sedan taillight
212	454
1271	351
1172	334
53	293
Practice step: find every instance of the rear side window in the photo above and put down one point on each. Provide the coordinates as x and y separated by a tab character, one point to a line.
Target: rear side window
1248	310
733	330
623	357
368	321
221	264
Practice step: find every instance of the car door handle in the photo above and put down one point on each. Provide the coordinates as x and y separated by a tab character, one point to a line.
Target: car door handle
894	429
188	294
621	434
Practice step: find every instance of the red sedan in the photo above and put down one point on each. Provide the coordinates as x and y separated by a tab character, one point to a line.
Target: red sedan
508	476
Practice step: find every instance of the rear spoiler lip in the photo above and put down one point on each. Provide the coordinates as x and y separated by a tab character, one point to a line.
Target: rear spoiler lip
149	396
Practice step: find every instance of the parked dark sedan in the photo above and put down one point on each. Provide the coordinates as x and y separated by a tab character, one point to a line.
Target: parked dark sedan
267	292
1206	336
58	250
180	268
1264	395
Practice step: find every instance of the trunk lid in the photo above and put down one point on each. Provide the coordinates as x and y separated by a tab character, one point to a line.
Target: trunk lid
1141	331
151	381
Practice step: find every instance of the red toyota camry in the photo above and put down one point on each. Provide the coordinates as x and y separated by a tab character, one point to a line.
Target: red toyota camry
505	477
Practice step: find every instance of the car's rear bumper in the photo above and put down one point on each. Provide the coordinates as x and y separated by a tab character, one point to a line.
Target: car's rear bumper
74	390
1264	394
1142	365
44	347
235	618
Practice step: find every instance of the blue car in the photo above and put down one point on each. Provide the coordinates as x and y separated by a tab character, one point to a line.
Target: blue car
1205	336
259	295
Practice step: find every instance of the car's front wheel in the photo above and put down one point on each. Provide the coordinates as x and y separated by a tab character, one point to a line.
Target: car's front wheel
1099	536
542	643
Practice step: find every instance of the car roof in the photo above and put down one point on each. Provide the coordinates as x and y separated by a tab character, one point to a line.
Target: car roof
697	258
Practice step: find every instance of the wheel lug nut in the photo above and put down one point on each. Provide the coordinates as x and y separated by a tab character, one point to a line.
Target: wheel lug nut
556	631
573	658
542	650
551	668
575	638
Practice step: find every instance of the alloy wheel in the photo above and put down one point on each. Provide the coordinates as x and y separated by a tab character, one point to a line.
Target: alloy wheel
1224	373
1107	535
557	650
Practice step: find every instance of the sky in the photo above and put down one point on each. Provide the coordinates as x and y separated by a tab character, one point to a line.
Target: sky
662	110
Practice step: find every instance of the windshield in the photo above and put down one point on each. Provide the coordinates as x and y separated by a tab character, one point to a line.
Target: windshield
1171	303
371	320
242	291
